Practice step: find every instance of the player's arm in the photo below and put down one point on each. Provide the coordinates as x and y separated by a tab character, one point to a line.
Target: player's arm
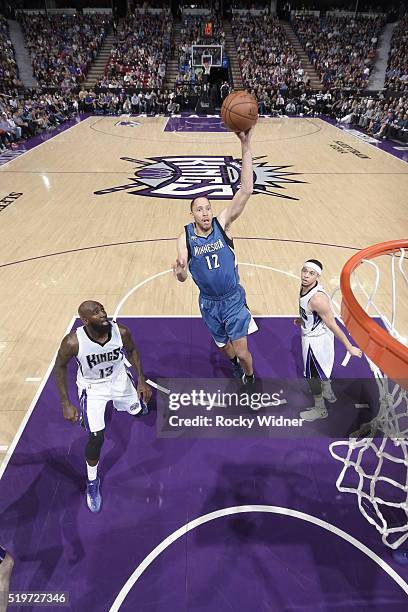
232	212
68	349
320	303
133	354
180	266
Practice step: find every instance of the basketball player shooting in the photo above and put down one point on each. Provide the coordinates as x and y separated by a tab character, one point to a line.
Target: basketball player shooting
319	327
207	248
102	377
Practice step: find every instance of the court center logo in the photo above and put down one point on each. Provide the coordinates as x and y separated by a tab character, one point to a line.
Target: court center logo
215	177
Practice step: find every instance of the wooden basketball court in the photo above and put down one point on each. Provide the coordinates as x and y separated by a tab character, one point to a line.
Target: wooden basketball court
322	194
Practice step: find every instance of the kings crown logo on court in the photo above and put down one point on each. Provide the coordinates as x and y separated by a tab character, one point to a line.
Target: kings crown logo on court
188	177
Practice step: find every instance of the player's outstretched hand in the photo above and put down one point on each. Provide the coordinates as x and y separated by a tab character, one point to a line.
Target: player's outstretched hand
356	352
70	413
297	321
144	391
245	137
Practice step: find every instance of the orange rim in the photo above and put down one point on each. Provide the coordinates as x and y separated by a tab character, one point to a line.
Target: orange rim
385	351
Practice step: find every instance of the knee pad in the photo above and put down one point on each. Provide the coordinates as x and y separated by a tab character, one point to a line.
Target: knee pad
315	385
94	445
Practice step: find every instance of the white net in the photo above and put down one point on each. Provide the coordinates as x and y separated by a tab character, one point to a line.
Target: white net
375	458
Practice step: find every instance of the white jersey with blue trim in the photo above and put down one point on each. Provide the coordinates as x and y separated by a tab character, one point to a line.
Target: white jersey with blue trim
212	261
312	324
98	363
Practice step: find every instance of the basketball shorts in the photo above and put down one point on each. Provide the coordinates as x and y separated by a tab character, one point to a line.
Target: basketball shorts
94	396
318	355
228	318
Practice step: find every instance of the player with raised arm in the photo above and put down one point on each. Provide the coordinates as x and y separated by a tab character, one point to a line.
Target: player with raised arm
206	248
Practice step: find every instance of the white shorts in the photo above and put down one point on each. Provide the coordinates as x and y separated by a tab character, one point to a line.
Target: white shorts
93	398
318	351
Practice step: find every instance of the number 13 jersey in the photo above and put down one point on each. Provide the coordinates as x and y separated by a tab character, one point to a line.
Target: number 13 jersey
212	261
99	362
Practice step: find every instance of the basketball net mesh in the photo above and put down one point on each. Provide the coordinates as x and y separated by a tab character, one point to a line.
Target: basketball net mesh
379	449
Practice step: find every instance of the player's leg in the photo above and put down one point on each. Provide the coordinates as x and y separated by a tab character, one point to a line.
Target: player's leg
93	404
211	312
245	358
125	397
318	358
318	410
6	567
229	351
239	323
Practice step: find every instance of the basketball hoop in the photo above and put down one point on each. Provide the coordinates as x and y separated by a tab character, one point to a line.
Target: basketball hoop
383	347
378	453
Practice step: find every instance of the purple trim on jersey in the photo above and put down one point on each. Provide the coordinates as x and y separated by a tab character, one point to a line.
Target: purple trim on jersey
3	553
316	320
309	358
83	402
131	379
79	365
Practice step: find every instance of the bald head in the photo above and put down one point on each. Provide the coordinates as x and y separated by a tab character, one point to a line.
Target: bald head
87	308
93	316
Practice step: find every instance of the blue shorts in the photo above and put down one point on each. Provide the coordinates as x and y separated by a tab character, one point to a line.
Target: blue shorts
228	318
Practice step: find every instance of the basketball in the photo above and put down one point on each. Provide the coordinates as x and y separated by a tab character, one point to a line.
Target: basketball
239	111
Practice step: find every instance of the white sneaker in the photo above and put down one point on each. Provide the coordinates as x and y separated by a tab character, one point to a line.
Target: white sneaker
327	392
314	413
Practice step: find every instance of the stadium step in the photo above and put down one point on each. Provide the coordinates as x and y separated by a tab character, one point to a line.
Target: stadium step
172	65
231	50
310	72
97	68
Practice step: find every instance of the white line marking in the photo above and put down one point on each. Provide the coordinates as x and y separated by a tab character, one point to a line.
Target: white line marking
168	391
206	518
33	379
30	409
129	293
158	387
215	405
150	278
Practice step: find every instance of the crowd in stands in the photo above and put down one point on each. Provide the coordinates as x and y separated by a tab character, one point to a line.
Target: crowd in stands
197	30
269	64
30	113
8	67
381	118
396	77
149	102
140	52
270	68
62	47
341	49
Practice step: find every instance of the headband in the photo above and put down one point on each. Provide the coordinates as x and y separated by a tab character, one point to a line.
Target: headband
313	266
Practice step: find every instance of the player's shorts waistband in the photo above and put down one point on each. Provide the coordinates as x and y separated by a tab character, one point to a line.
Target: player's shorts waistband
218	298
